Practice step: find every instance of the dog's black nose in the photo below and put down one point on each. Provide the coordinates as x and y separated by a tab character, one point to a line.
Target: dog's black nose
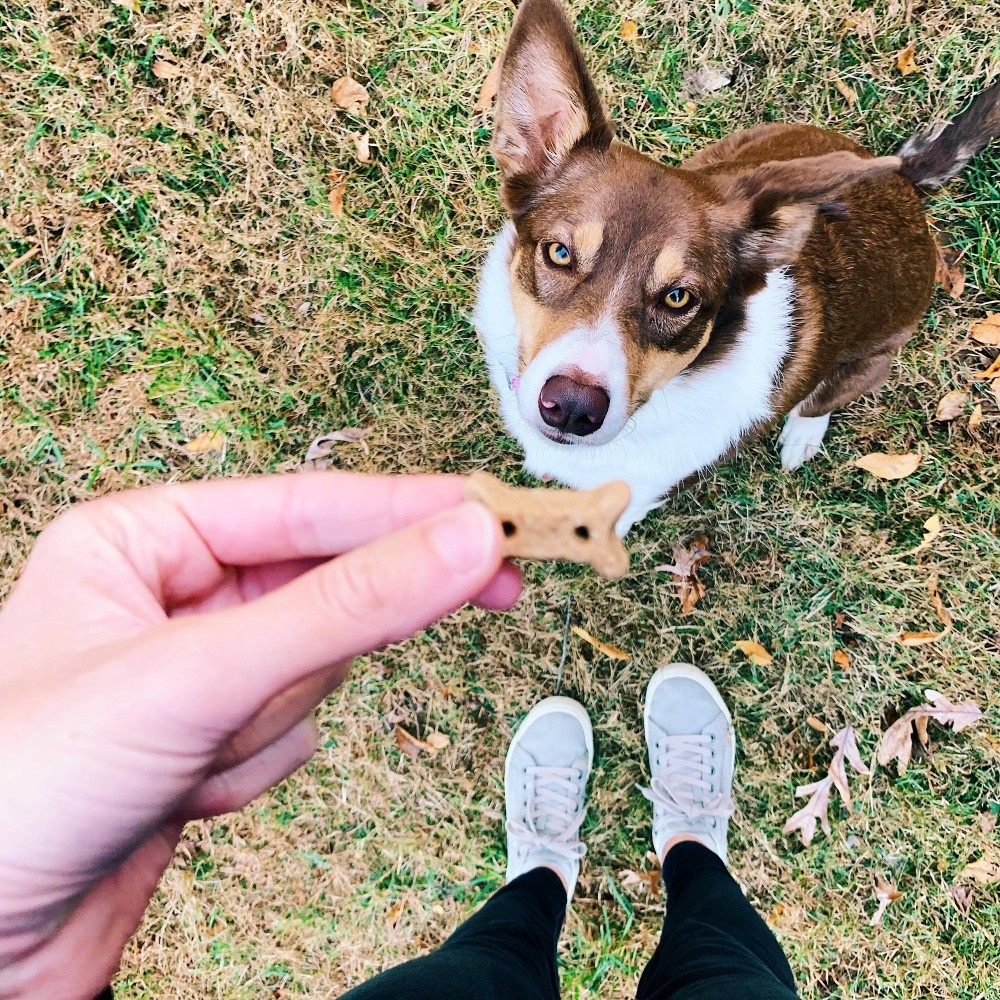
572	406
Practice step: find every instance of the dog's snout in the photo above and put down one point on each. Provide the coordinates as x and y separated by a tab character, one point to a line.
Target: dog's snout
572	406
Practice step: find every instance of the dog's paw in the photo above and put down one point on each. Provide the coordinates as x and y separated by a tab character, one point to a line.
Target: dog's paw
801	439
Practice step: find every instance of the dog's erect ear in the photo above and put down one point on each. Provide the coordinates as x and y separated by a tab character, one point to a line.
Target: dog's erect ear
546	101
773	205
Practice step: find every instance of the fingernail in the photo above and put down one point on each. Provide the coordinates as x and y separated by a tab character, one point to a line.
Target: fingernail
464	537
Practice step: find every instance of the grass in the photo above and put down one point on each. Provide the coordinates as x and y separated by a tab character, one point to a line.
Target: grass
172	265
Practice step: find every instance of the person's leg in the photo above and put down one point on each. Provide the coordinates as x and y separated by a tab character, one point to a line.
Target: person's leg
714	945
508	948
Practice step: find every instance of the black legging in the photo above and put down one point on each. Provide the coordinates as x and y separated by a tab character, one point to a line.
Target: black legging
714	946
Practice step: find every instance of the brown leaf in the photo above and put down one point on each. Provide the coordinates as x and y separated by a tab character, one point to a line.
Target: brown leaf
413	746
395	912
897	743
961	896
813	723
629	31
951	405
704	80
847	92
650	879
438	741
905	63
338	189
685	566
943	614
350	95
599	644
165	69
985	871
842	659
754	652
317	457
813	811
948	273
847	749
886	466
992	372
932	528
362	147
987	331
488	91
911	639
206	441
976	417
885	893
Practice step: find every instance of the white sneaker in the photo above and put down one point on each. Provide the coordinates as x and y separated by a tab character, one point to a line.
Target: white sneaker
692	755
545	782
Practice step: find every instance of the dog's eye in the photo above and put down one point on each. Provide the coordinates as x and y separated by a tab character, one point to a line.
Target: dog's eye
677	298
559	255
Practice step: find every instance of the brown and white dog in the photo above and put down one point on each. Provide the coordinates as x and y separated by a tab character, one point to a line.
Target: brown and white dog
640	321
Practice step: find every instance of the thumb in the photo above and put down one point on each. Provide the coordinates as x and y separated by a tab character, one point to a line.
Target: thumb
232	662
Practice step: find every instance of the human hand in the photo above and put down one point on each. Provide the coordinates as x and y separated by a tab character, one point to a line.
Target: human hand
159	661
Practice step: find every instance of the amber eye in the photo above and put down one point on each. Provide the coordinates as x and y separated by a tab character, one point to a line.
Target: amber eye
559	255
677	298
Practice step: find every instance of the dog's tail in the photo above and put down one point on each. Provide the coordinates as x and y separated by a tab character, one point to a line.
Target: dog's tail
936	154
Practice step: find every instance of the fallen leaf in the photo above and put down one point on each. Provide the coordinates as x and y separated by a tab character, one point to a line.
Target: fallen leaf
350	95
976	417
961	896
987	331
317	457
395	912
992	372
705	80
885	893
629	31
815	810
905	63
599	644
336	196
437	741
362	147
985	871
754	652
919	638
488	91
943	614
650	879
813	723
947	271
951	405
932	528
842	659
685	566
206	441
165	69
413	746
886	466
847	92
988	822
897	742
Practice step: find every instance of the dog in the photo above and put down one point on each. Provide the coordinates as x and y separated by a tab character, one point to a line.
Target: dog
641	321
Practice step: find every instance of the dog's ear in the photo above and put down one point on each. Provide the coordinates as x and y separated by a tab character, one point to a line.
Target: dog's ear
546	102
772	206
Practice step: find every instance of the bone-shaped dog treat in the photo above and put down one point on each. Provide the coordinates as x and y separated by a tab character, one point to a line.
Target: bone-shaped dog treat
558	524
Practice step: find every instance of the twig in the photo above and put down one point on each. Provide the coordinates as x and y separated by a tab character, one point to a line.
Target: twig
565	644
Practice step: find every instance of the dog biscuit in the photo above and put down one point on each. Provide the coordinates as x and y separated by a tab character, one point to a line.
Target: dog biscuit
558	524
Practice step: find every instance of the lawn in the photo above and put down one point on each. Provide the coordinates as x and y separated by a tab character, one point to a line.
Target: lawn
174	270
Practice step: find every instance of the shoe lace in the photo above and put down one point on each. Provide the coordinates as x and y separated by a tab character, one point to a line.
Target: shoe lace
682	785
553	816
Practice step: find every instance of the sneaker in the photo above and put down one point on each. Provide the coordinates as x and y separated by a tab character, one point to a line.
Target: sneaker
692	755
545	782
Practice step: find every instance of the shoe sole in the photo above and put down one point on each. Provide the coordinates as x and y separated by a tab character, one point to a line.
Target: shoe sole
691	672
548	706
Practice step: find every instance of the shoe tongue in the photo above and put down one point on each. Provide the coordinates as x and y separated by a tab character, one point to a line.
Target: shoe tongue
558	812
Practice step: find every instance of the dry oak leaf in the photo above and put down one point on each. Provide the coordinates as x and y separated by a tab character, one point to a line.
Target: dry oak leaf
961	896
985	871
395	912
413	746
488	91
165	69
976	417
318	455
897	742
649	879
685	566
629	31
987	331
338	188
754	652
992	372
847	92
206	441
350	95
842	659
951	405
886	466
905	63
362	147
705	80
932	528
599	644
885	893
947	271
815	810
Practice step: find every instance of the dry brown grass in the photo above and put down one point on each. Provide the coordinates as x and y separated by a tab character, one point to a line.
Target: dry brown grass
173	265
